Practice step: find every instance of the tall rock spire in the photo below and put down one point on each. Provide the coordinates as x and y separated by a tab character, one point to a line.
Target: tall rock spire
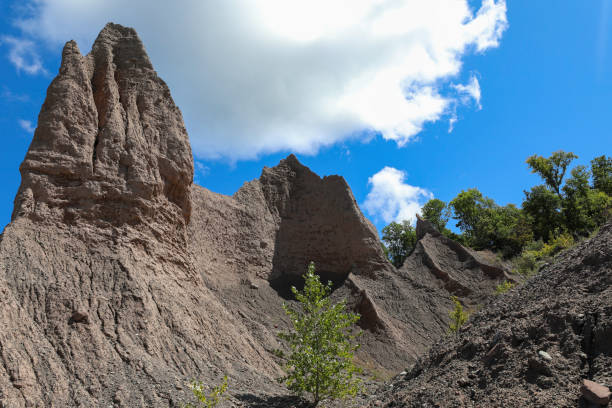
110	146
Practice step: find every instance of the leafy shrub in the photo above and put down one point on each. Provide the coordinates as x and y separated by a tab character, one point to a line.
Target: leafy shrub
457	315
526	264
535	253
322	344
503	287
207	401
554	246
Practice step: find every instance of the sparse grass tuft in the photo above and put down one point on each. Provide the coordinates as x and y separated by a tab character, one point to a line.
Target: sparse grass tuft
207	401
503	287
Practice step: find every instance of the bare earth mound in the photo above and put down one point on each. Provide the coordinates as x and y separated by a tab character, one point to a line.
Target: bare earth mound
120	280
532	347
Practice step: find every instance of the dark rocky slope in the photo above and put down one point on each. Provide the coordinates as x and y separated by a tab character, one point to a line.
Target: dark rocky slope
440	262
497	360
120	280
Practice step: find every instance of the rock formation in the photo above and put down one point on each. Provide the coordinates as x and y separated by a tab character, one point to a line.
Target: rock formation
110	146
120	280
546	343
439	261
101	300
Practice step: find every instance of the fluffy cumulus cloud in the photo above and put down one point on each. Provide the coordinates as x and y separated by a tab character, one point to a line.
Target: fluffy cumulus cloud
294	75
392	199
23	55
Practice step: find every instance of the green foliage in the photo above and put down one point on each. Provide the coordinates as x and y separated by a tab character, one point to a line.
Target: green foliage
557	209
543	206
486	225
527	263
584	208
207	401
602	174
436	212
575	207
400	239
552	169
457	315
322	344
555	245
468	209
537	252
503	287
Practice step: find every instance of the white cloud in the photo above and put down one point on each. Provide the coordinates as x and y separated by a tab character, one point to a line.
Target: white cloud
26	125
451	122
293	75
23	55
470	90
391	199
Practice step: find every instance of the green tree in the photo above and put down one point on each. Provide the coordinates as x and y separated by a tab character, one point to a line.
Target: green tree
543	206
576	202
574	207
468	209
322	344
507	228
457	315
552	169
584	208
400	239
486	225
436	212
602	174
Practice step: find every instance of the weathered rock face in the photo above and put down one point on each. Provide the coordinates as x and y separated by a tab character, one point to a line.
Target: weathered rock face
318	220
120	280
101	303
533	346
110	147
251	247
439	261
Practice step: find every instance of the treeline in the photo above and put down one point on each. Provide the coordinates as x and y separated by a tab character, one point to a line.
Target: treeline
565	207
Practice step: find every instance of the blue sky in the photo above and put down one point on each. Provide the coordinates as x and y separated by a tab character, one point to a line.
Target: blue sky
545	85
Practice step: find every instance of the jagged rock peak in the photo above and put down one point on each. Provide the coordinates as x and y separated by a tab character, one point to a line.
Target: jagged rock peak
115	37
423	227
110	147
444	263
319	220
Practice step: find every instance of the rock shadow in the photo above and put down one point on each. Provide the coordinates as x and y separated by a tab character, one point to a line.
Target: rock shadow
283	401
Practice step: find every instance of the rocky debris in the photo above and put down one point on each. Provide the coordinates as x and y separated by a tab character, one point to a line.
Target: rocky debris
595	393
529	347
545	355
